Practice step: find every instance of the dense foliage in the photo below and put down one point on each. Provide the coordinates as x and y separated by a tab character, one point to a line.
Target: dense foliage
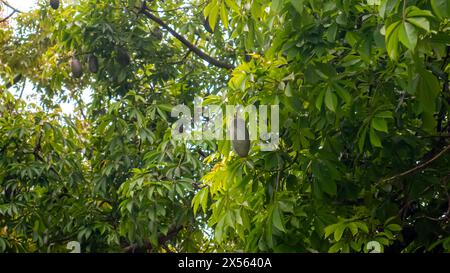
363	91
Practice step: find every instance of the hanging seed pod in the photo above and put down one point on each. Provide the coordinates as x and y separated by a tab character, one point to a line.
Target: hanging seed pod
123	58
54	4
76	67
240	137
93	63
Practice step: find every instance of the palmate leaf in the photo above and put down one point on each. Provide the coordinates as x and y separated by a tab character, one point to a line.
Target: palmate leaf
405	31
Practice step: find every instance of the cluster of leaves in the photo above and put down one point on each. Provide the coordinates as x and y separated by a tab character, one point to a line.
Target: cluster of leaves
363	95
364	102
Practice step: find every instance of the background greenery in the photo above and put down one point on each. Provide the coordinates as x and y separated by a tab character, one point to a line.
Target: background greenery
363	90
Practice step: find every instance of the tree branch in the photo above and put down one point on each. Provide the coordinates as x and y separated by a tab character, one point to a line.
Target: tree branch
420	166
7	17
9	6
183	40
14	81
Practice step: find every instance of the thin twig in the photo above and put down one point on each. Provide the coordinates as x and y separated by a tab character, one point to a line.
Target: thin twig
11	7
184	41
7	17
21	91
14	81
419	167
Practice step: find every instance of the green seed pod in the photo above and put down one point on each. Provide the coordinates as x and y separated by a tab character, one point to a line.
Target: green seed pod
123	58
93	63
240	138
76	67
54	4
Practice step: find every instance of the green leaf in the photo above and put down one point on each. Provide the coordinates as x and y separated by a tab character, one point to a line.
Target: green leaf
427	92
441	8
344	94
392	40
212	16
331	33
362	139
382	241
288	90
208	8
328	185
414	11
129	206
394	227
224	15
237	213
232	5
339	232
374	138
353	228
298	5
330	230
362	226
379	124
384	114
165	107
2	245
408	35
420	22
204	199
268	232
331	100
387	7
276	6
229	219
276	219
319	100
200	199
218	231
238	81
335	248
